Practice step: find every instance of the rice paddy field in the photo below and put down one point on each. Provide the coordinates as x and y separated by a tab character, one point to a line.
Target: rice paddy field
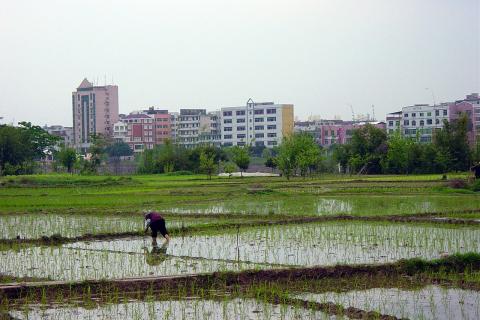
331	247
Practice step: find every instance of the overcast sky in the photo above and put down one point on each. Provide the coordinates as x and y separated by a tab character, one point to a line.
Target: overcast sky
319	55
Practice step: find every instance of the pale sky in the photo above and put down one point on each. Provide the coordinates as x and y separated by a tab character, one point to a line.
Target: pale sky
319	55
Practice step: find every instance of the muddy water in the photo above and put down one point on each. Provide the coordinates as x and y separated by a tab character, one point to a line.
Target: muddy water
431	302
241	309
294	245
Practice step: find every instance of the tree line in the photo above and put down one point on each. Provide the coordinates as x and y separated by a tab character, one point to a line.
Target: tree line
370	151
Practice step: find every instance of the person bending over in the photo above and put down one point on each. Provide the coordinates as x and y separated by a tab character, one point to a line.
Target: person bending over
156	223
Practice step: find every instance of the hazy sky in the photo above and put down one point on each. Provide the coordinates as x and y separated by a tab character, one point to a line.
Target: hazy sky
319	55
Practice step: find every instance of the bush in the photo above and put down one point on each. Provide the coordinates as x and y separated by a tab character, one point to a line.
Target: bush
457	184
179	173
475	186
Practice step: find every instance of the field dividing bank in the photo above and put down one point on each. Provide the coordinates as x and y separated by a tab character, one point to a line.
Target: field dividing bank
275	278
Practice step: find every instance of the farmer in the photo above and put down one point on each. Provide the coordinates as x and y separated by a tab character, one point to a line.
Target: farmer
156	223
476	170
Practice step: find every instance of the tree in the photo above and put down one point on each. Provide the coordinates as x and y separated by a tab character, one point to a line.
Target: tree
398	152
271	162
229	168
207	164
368	146
19	146
67	157
98	144
40	141
119	149
298	151
241	158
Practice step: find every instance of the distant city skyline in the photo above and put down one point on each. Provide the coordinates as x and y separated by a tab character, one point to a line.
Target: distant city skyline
321	56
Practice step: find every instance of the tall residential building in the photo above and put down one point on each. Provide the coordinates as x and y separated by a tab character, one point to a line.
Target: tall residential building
95	110
257	124
422	119
191	127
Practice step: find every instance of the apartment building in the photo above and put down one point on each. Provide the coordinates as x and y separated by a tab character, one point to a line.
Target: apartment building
140	131
162	124
64	133
393	122
420	120
94	111
257	124
330	132
120	131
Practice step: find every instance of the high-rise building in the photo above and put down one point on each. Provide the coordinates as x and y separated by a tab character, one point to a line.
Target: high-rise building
95	110
256	124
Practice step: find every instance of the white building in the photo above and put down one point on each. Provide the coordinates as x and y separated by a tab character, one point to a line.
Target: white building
422	119
256	124
65	133
120	131
393	121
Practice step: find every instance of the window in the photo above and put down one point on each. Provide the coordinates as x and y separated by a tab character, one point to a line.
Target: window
271	127
240	113
414	114
272	143
227	129
258	119
406	115
259	135
332	133
325	141
227	120
429	121
259	143
241	120
406	122
421	114
228	144
429	114
241	136
390	123
414	123
227	113
271	111
444	112
271	119
437	121
272	135
227	136
397	123
437	112
240	143
241	128
259	127
259	111
422	123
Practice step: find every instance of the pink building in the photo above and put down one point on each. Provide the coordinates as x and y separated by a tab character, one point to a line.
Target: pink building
95	110
456	110
329	132
162	125
140	131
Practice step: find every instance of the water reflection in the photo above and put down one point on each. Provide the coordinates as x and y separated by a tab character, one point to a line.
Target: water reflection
156	255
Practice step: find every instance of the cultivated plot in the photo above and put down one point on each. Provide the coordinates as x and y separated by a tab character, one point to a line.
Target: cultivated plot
430	302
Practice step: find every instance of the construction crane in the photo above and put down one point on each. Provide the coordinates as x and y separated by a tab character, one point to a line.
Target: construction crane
353	113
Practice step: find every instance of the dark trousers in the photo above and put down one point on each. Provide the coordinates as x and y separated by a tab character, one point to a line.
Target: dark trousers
158	226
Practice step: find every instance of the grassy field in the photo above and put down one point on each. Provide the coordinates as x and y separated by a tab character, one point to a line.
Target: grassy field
372	242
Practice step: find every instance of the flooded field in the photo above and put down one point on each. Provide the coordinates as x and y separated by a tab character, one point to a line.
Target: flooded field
34	226
196	309
322	205
261	229
430	302
261	247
